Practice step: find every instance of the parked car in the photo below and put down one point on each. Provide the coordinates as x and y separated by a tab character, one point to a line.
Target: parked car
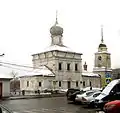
71	98
71	91
80	96
112	107
91	88
110	93
89	99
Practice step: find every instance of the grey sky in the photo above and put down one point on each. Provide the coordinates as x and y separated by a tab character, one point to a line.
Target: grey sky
25	24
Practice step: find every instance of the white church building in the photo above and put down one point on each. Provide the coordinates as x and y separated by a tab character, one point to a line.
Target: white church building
62	67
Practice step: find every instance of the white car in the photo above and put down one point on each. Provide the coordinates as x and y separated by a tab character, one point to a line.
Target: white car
89	99
89	88
79	96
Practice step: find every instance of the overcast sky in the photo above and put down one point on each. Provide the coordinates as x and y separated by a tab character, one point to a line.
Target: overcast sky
25	24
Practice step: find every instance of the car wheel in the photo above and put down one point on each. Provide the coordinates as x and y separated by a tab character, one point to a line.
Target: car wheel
91	105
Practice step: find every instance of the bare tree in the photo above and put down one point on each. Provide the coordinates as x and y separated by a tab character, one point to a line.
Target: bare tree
14	75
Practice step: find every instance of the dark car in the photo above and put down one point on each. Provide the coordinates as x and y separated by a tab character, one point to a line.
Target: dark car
72	94
107	98
71	91
110	93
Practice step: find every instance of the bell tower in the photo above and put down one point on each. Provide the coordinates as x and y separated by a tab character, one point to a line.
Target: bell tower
102	62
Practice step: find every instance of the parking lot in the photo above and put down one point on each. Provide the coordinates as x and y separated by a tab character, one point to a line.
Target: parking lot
45	105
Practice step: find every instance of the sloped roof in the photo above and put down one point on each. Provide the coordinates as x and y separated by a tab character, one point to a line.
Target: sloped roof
43	70
57	47
2	76
8	70
89	74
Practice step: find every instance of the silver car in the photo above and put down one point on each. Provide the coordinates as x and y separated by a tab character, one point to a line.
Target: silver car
89	99
79	96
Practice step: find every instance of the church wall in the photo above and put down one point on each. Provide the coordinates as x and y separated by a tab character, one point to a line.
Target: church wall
62	57
46	82
95	81
104	62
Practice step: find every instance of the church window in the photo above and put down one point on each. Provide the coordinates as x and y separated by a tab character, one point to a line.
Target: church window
40	84
76	83
27	83
90	83
59	83
60	66
99	58
76	67
83	83
68	66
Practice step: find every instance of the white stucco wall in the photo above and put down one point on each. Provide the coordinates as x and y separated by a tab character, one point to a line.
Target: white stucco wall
95	81
46	82
5	88
52	60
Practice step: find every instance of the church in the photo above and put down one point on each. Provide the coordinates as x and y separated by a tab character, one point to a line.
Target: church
64	66
102	63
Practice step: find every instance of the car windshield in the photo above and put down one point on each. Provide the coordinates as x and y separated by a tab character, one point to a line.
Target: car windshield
89	93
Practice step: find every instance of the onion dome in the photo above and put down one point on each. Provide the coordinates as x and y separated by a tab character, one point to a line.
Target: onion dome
102	45
102	41
56	29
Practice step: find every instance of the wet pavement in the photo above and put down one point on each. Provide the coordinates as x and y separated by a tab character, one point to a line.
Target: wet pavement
45	105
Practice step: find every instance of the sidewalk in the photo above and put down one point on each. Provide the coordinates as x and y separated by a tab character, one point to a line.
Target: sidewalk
34	96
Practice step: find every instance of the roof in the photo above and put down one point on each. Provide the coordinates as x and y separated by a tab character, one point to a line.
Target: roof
41	71
102	69
58	48
89	74
7	71
3	76
103	51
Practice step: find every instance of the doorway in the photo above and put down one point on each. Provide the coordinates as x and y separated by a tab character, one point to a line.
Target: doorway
0	90
69	84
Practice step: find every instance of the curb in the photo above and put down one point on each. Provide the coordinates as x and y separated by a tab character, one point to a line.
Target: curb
33	97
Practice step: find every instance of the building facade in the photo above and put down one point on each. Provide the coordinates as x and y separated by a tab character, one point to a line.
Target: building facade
102	63
37	80
4	86
90	79
61	60
116	73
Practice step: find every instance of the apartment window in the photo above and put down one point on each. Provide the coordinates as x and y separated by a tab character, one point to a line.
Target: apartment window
40	84
27	83
60	66
59	83
76	83
68	66
83	83
76	67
